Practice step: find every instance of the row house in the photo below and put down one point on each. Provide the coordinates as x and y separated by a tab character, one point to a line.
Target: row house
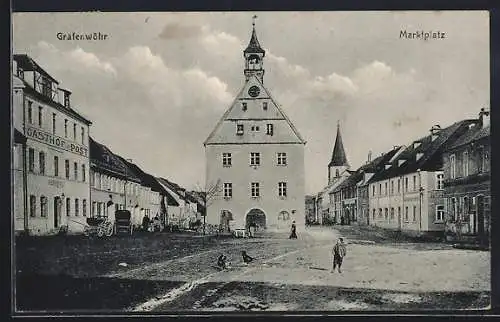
50	159
186	210
111	182
407	194
467	183
311	217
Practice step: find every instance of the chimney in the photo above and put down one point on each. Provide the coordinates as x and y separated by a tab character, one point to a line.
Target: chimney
484	118
435	129
369	156
66	100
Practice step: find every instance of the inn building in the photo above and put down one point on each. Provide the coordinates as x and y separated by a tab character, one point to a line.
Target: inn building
51	189
255	158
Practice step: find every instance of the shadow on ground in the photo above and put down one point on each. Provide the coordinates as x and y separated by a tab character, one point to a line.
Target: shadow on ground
54	293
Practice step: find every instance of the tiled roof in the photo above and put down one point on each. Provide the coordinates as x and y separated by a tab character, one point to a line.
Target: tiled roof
474	133
428	150
105	160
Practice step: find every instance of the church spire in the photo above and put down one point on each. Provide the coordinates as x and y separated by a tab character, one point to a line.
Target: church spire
254	55
339	157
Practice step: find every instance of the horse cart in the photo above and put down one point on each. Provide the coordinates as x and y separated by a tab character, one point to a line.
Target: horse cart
98	226
123	222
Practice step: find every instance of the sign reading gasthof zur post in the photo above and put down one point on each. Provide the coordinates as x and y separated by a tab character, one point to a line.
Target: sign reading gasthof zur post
56	141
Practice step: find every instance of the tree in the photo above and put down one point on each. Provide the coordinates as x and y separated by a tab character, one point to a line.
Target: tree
207	196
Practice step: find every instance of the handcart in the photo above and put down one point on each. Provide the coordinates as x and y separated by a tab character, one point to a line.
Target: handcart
98	226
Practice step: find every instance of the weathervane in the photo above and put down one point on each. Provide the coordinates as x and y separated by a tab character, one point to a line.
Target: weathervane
253	20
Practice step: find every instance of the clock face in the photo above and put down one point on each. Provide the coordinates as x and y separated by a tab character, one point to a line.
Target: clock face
254	91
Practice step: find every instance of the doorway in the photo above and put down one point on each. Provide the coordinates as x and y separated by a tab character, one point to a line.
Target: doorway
257	217
57	211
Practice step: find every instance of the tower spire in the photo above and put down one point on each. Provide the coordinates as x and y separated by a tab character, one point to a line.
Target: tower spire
339	157
254	55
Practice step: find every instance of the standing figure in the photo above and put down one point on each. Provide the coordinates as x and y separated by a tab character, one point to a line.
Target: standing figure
252	228
293	232
339	251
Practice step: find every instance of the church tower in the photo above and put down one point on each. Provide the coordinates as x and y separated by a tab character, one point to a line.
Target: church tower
255	158
338	164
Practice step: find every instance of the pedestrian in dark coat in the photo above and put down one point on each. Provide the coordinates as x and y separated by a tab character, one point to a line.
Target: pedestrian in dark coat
339	251
293	232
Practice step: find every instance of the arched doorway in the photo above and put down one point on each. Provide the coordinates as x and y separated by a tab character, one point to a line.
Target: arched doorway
257	217
225	217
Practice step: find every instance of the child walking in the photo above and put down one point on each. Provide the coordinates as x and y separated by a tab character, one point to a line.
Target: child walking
339	251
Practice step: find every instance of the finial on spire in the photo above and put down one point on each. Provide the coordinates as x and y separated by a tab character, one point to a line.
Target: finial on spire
338	124
253	20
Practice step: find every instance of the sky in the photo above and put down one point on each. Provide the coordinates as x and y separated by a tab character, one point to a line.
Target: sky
158	84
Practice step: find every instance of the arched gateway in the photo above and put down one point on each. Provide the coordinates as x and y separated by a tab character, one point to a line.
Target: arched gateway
257	217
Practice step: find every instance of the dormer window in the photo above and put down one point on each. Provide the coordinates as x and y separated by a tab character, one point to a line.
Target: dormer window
416	144
401	162
239	129
419	156
244	106
387	166
20	72
264	106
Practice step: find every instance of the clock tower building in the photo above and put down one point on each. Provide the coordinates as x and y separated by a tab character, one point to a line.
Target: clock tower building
255	158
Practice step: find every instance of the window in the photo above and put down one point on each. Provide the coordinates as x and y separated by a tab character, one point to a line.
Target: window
30	112
264	106
414	183
453	169
373	213
255	128
380	189
406	184
386	213
385	188
380	212
392	213
53	123
84	173
270	129
84	207
480	159
399	185
414	213
399	213
68	207
392	187
226	159
56	166
75	170
254	158
41	162
465	164
406	213
66	167
32	206
281	158
94	206
65	128
255	189
373	193
244	106
77	207
228	190
439	213
239	129
83	134
439	181
282	189
74	131
40	116
31	160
